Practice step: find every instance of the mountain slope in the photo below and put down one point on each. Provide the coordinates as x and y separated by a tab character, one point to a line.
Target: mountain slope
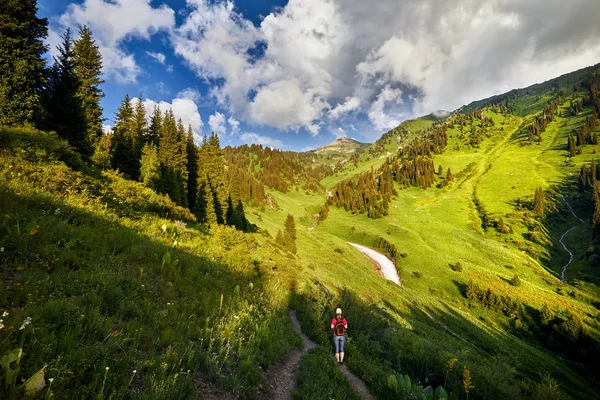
341	145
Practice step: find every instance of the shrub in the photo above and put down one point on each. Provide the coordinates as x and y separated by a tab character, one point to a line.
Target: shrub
418	274
515	281
457	267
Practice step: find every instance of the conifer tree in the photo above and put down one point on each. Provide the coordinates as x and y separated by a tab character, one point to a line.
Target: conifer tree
153	136
150	166
242	222
279	238
102	151
124	156
192	168
289	235
596	214
210	215
66	115
173	159
22	67
88	68
538	202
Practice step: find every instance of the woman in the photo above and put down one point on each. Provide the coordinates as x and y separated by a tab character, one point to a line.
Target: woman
339	325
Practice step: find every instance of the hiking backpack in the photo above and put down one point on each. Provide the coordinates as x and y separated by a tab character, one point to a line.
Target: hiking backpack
340	329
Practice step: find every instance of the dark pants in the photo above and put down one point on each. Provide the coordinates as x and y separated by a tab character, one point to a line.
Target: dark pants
338	342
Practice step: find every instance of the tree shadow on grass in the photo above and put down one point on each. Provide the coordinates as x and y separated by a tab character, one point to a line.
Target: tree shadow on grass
102	292
418	340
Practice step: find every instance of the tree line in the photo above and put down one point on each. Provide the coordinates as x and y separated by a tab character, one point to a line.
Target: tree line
371	192
65	98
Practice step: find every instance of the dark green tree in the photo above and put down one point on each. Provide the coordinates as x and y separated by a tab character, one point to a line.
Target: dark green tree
124	156
172	152
289	234
66	115
153	136
22	68
538	202
88	68
192	168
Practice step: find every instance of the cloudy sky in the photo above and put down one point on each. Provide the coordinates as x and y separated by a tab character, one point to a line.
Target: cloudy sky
297	74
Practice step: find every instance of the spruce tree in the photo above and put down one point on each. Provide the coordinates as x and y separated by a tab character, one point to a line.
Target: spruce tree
66	115
289	235
538	202
596	203
102	152
173	159
153	135
22	68
192	168
88	68
124	156
150	166
210	215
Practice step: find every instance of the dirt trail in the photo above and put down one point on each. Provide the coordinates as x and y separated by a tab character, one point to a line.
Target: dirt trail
282	377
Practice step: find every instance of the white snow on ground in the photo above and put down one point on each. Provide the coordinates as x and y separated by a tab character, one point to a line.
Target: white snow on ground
387	266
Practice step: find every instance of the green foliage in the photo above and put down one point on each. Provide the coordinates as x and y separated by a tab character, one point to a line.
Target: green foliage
66	113
401	387
539	202
10	362
497	302
150	166
22	76
515	281
289	234
320	378
457	266
87	62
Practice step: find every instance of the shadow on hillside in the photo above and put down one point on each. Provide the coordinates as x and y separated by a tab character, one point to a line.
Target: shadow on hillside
103	292
421	340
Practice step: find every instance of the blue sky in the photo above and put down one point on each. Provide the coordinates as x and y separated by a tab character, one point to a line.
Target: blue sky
296	75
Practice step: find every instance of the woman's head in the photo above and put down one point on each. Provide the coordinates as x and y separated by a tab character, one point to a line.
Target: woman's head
338	311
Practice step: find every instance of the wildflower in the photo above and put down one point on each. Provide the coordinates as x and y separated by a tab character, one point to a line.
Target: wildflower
1	249
107	368
134	371
164	227
1	324
51	380
4	314
236	317
25	323
57	211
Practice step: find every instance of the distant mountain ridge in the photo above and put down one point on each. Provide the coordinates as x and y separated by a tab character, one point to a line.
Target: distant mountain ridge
341	145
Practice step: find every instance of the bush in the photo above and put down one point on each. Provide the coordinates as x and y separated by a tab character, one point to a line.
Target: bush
457	267
515	281
418	274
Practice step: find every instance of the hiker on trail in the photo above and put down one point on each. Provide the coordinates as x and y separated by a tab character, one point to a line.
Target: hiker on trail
339	325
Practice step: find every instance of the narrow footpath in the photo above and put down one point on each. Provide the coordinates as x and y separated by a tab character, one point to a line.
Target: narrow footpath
282	377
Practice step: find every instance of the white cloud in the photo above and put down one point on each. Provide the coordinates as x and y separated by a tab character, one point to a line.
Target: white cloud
107	129
251	137
114	22
169	68
440	54
217	123
377	114
339	132
183	107
234	123
159	57
190	93
350	104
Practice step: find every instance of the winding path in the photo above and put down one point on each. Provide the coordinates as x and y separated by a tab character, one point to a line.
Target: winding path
564	268
282	377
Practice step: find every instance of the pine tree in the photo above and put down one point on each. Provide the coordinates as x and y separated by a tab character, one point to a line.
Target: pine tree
210	215
66	115
88	68
124	156
242	222
289	235
538	202
279	238
192	168
150	166
102	151
153	136
22	67
596	214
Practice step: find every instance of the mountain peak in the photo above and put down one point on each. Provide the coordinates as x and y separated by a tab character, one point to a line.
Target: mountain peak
341	145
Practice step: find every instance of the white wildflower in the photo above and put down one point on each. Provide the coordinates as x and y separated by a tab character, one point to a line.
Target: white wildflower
134	371
25	323
51	380
107	368
236	317
57	211
1	249
164	227
4	314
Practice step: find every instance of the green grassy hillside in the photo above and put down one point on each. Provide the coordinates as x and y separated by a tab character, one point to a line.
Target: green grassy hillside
129	297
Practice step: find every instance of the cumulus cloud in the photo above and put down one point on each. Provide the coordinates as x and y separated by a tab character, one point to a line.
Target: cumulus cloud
377	114
339	133
343	58
250	137
183	106
351	104
107	128
217	123
159	57
114	22
234	123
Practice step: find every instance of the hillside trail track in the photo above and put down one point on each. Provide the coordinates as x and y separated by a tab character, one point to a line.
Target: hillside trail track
571	256
282	377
